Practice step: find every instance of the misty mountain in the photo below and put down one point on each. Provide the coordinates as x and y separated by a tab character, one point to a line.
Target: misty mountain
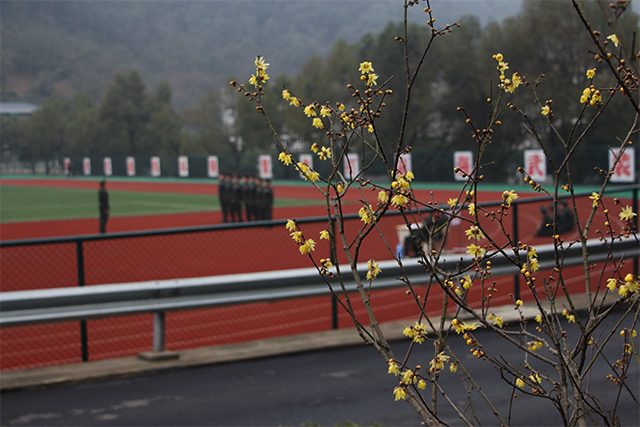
61	47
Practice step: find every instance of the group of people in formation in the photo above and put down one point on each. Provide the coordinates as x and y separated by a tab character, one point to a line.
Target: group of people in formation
253	194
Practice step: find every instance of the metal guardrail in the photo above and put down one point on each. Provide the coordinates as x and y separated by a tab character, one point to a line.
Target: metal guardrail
158	297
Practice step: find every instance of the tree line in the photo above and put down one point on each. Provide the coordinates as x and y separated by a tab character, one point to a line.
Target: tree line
132	120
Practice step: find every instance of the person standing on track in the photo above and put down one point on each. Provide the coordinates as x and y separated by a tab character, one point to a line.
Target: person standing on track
236	200
250	198
267	194
224	192
103	199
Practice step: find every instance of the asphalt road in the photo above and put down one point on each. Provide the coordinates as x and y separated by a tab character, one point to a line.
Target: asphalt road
323	387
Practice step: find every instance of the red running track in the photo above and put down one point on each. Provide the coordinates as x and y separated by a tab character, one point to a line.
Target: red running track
200	254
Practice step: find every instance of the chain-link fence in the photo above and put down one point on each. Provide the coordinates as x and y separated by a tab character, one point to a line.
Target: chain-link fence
243	248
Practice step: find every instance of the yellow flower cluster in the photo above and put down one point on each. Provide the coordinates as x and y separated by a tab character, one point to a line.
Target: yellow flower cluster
261	75
372	270
416	332
627	213
367	73
461	326
509	196
509	85
591	96
285	158
307	172
365	214
497	320
534	345
570	317
474	233
402	184
437	364
532	257
476	251
306	246
629	286
596	199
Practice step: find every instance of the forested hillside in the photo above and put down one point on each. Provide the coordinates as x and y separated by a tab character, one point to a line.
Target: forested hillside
61	47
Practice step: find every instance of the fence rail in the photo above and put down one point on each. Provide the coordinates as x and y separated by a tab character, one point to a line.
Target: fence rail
184	272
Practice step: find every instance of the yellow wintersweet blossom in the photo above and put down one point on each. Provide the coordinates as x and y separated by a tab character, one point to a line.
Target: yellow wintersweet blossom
308	246
371	81
383	197
539	318
519	303
586	93
627	213
466	282
519	383
422	384
295	102
437	364
399	200
399	393
370	128
498	321
393	367
365	67
260	64
545	110
452	203
314	147
453	367
570	317
535	378
373	270
461	326
631	283
534	345
325	111
297	236
474	233
340	187
324	234
286	94
340	106
612	284
614	39
324	153
365	215
502	67
310	111
409	377
472	208
317	123
533	264
291	225
509	196
596	199
591	73
285	158
476	251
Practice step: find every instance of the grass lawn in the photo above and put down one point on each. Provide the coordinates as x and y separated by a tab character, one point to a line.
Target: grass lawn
22	203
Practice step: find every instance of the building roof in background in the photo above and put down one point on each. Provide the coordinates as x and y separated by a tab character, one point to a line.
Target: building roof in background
17	108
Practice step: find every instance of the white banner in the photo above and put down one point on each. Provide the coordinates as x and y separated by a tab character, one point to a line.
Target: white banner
155	166
66	162
462	160
404	163
86	166
264	166
535	164
212	167
626	167
107	168
351	166
131	166
307	159
183	166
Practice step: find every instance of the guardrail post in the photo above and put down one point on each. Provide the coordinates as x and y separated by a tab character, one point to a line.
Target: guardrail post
84	344
159	322
516	277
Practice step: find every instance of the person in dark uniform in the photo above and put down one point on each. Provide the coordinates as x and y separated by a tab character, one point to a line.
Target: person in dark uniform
103	199
224	191
566	220
547	218
267	198
250	198
235	200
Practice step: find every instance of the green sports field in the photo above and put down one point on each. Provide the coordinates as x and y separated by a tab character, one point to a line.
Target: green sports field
23	203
